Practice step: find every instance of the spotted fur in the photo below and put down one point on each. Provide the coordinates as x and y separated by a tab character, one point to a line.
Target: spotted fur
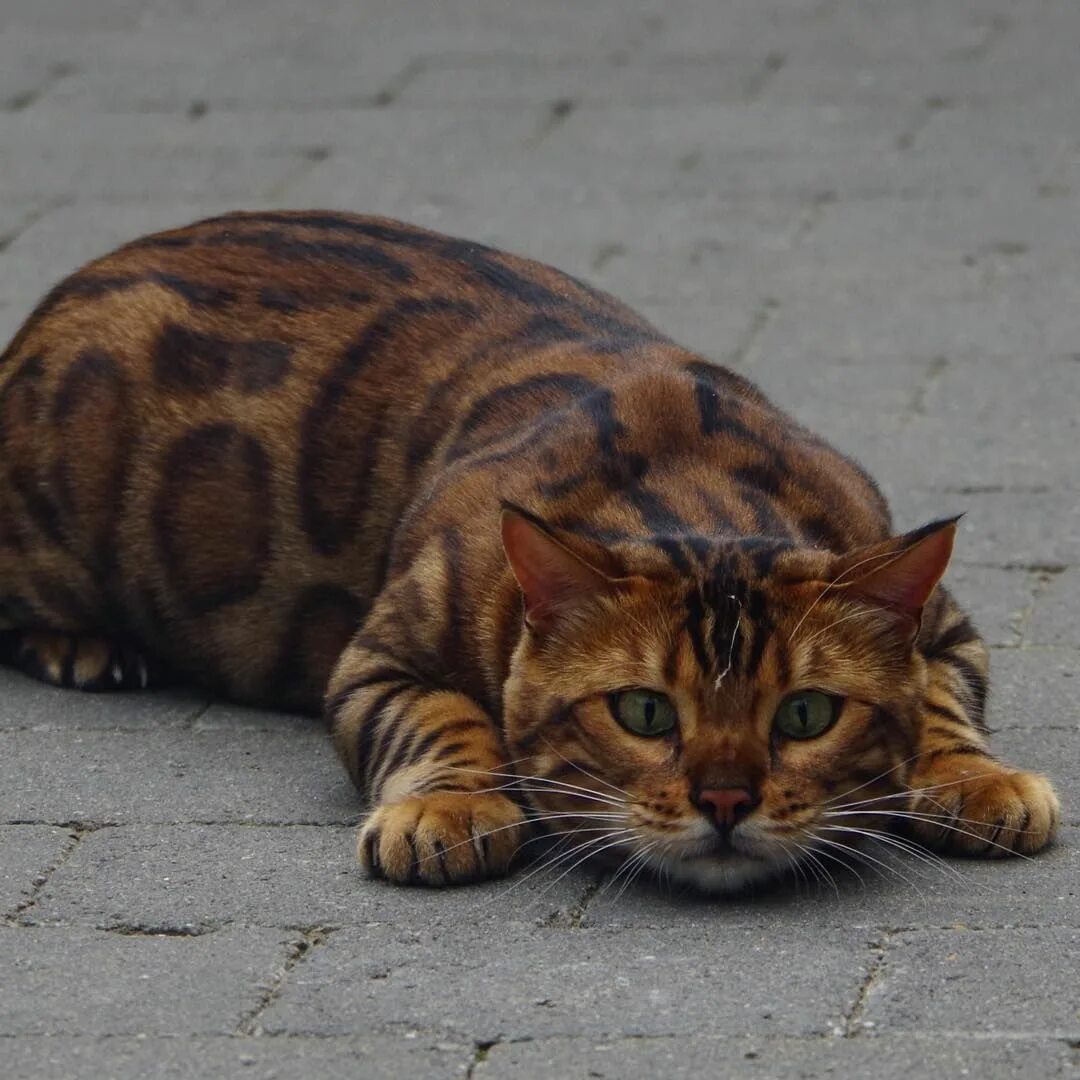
268	452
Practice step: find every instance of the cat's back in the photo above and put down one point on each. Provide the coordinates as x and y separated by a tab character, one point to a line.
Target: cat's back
208	435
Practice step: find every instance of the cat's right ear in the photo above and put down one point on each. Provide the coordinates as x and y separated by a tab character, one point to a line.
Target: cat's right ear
552	578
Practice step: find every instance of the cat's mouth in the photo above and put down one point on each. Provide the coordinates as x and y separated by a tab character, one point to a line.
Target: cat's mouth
723	862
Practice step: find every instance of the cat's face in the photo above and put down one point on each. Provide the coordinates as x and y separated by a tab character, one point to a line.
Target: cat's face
714	726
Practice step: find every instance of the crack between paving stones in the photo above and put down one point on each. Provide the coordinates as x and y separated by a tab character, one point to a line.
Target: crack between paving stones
931	107
558	112
1039	581
399	83
761	319
21	102
189	722
853	1022
934	370
77	832
309	940
765	74
32	218
481	1049
997	27
810	220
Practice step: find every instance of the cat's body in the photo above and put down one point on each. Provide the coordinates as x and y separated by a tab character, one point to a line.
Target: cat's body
268	453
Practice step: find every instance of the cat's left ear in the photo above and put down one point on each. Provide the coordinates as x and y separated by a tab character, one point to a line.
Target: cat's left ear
900	574
553	579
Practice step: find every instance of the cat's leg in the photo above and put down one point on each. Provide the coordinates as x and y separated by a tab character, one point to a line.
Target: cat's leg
78	661
424	757
968	801
51	615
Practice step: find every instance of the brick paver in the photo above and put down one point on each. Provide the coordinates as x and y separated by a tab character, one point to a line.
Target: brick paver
869	208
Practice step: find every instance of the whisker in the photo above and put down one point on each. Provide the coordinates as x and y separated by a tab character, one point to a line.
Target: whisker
917	816
628	866
835	583
867	857
516	779
925	857
584	858
963	832
642	865
558	859
862	613
586	772
874	779
815	865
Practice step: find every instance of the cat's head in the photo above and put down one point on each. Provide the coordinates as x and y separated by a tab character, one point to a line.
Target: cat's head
708	720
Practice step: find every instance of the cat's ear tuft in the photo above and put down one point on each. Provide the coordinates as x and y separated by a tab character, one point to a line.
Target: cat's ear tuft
552	578
902	574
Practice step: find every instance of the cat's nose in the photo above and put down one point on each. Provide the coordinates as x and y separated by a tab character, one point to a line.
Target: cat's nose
728	805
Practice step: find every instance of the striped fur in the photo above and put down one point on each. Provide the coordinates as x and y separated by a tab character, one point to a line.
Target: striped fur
268	452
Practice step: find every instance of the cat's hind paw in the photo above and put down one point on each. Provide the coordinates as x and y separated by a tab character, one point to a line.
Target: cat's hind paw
442	838
986	810
79	661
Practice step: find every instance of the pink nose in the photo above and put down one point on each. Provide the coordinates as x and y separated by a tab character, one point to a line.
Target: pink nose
729	804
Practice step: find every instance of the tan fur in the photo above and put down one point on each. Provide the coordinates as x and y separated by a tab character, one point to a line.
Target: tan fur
268	452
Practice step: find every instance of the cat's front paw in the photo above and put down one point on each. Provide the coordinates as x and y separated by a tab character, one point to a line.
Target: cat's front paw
442	838
985	809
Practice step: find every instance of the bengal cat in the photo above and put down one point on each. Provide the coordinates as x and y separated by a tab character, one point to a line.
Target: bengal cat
539	565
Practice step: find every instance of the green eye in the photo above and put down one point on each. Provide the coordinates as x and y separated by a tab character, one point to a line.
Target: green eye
805	715
644	712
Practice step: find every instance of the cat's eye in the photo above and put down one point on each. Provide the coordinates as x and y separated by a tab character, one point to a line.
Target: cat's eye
644	712
806	714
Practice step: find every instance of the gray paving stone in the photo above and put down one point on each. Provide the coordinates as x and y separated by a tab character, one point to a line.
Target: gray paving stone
426	26
1049	750
183	877
315	72
994	598
891	892
67	981
14	217
167	775
373	1057
539	982
65	172
1007	439
735	149
991	982
1020	527
1055	618
23	79
714	330
841	32
1033	688
836	196
26	852
29	705
499	80
890	1058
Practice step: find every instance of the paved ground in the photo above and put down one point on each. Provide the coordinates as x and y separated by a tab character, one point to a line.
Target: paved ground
871	208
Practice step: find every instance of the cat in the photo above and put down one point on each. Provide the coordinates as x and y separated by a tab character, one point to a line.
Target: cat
539	566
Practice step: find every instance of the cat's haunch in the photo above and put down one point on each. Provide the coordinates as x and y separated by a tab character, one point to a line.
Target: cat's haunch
543	569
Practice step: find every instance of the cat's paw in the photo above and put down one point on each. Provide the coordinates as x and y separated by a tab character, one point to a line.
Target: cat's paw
79	661
987	810
442	838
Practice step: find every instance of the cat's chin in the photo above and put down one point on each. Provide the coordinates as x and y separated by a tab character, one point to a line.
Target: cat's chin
719	875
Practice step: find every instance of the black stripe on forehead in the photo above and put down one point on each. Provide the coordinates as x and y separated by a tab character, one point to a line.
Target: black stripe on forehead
728	618
763	627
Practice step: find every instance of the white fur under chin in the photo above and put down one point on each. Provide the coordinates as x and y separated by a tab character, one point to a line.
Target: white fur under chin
723	874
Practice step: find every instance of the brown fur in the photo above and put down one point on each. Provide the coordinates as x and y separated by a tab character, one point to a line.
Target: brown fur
267	453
